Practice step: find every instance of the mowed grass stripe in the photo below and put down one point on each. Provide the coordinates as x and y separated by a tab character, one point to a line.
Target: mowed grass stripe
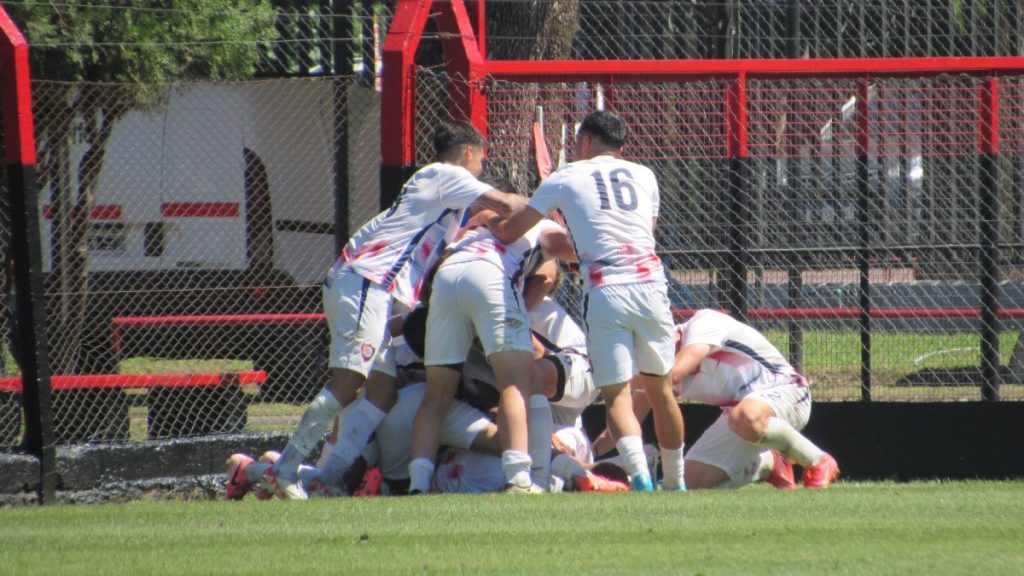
919	528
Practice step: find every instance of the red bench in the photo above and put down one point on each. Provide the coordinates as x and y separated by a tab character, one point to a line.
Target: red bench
94	406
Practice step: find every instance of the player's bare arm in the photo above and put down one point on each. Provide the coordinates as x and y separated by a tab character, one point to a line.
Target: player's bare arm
687	360
556	243
503	203
512	228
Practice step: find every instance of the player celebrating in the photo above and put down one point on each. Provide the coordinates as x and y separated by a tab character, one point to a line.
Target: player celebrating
724	362
478	290
386	259
610	207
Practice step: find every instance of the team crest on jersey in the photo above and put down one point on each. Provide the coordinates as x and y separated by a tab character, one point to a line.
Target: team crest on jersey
367	350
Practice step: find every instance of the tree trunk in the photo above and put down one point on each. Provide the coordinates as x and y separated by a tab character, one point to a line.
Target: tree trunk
543	30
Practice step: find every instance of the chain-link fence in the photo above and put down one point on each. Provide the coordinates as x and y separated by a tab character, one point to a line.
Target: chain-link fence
809	217
685	29
184	246
184	241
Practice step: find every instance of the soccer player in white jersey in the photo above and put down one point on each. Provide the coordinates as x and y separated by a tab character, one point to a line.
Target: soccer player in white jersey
386	261
477	290
610	207
764	401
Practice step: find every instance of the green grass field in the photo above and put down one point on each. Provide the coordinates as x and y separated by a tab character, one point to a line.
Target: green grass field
918	528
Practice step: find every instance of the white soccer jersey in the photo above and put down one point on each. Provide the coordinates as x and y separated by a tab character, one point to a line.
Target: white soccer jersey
555	328
401	244
517	260
741	361
608	205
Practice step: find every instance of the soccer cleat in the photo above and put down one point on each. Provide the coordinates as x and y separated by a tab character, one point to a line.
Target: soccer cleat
238	484
317	488
280	487
371	483
593	483
781	475
681	487
529	489
822	474
641	483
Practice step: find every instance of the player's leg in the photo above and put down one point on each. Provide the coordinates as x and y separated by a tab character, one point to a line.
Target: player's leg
610	343
362	419
357	312
721	459
514	373
773	418
442	382
449	334
654	347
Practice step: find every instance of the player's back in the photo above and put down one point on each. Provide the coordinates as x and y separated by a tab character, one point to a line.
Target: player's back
608	204
741	360
412	232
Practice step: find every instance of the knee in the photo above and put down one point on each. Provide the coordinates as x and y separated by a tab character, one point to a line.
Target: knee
747	424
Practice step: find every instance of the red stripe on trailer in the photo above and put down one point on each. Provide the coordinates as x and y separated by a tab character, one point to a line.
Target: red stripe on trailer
199	209
98	212
94	381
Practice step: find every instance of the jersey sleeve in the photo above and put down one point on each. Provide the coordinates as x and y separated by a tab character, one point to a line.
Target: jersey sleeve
655	197
545	198
459	188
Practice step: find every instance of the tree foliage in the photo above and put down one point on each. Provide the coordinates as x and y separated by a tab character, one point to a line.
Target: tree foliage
115	56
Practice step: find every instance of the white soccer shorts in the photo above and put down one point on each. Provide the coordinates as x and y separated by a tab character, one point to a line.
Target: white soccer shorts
474	298
629	330
357	314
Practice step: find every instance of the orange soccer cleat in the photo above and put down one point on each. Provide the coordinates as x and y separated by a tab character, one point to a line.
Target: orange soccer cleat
822	474
781	475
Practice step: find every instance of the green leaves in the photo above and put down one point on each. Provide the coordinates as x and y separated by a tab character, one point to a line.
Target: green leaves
147	41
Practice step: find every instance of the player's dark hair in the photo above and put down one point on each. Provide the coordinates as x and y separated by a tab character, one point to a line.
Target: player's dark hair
606	127
500	183
414	330
451	137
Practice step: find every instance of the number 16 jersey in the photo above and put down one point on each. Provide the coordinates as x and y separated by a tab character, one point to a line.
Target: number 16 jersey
608	205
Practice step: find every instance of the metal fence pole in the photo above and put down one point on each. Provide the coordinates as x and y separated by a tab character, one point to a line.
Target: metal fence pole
864	224
988	230
794	50
740	212
20	160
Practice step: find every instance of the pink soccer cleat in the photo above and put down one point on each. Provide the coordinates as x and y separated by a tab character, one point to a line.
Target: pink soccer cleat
238	484
822	474
781	475
594	483
371	483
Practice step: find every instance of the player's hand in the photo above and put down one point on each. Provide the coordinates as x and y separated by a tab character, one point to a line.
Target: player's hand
561	447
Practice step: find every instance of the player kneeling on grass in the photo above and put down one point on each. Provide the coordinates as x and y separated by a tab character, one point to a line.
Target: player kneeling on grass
723	362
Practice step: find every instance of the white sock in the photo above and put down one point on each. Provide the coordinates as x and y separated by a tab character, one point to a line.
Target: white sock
355	432
307	434
516	465
764	465
539	440
784	438
631	448
672	465
565	467
421	470
325	452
